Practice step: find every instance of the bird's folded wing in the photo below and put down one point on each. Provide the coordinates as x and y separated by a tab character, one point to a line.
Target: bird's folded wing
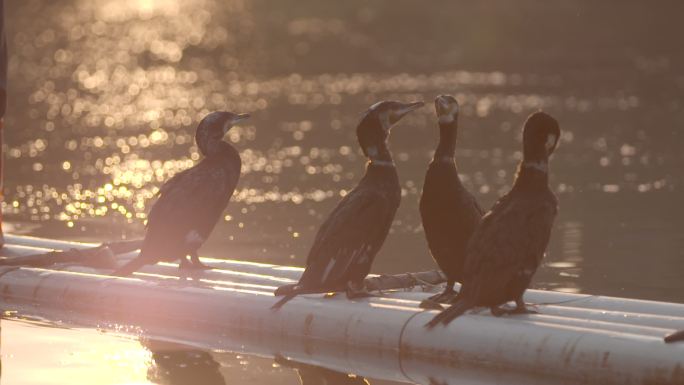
353	229
510	242
183	204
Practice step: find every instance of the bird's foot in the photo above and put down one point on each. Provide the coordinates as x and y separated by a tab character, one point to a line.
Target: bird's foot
357	291
523	310
521	307
499	311
200	266
184	264
447	296
195	264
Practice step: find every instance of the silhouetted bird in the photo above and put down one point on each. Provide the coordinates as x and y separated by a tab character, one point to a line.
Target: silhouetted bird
675	337
349	239
191	202
509	244
449	212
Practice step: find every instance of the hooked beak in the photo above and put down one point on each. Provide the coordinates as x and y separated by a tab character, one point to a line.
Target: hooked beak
237	119
405	109
240	117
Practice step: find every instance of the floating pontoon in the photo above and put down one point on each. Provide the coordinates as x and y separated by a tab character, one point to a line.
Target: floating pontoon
575	338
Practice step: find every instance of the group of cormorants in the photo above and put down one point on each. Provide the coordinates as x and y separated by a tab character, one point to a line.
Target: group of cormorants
493	254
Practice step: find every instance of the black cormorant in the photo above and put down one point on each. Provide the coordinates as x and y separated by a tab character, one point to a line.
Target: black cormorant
346	243
509	244
449	212
191	202
675	337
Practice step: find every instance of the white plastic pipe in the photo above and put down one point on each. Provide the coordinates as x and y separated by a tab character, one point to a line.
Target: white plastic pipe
248	280
220	318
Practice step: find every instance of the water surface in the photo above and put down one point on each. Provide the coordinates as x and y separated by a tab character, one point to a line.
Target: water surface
85	356
105	96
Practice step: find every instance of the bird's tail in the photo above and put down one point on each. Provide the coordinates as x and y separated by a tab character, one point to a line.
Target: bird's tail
675	337
130	267
451	313
285	289
289	291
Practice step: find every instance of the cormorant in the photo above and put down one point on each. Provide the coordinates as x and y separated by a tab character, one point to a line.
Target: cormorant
449	212
191	202
675	337
346	243
509	244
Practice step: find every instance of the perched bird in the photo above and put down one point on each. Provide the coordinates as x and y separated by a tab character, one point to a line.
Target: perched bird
675	337
449	212
191	202
351	236
509	244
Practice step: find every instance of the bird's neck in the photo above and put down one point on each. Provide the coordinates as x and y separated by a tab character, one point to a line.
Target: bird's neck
447	141
218	150
379	155
532	174
382	172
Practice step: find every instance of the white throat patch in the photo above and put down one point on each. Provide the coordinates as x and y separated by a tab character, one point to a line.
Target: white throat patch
550	142
448	111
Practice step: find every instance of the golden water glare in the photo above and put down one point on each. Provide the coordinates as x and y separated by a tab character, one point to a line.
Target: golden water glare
106	95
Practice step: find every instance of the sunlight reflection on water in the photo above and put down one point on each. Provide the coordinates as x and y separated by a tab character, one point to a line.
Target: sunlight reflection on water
86	356
107	95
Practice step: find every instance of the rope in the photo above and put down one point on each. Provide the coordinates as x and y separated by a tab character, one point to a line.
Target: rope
565	301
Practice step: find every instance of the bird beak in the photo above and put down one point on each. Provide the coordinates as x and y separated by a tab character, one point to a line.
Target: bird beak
240	117
237	119
405	109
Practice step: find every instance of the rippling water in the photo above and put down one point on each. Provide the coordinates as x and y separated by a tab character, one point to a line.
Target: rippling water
84	356
105	95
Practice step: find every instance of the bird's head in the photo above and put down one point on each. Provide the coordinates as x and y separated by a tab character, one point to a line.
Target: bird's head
374	128
446	108
214	127
540	136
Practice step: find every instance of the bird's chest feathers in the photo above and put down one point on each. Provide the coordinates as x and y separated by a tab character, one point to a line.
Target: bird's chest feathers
391	190
220	176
